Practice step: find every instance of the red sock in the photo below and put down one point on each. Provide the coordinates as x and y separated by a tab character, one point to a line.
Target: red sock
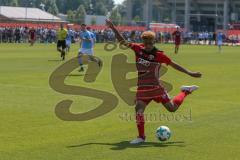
140	125
178	100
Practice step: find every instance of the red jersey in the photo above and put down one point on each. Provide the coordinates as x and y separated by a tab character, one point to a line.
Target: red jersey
32	33
149	64
177	36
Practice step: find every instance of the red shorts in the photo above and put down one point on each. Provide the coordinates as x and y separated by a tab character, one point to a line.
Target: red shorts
177	43
156	93
32	36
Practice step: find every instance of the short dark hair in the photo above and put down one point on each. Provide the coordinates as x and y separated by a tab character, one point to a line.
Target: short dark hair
83	24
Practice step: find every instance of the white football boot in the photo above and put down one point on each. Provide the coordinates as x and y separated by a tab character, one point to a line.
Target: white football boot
137	141
189	89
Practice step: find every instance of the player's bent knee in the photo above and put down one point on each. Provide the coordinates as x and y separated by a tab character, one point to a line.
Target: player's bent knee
171	107
140	107
80	55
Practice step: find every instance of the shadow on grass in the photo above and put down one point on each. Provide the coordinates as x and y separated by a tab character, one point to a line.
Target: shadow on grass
81	75
125	144
55	60
76	75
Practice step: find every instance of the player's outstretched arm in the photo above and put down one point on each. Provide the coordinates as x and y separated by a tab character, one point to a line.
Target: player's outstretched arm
114	29
182	69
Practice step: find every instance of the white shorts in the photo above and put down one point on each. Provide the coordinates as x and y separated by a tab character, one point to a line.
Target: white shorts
86	51
68	43
220	43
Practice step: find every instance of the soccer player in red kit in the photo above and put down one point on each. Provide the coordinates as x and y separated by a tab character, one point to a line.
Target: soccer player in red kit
32	36
149	60
177	38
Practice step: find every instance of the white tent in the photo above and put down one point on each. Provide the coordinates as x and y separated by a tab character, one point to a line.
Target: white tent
27	14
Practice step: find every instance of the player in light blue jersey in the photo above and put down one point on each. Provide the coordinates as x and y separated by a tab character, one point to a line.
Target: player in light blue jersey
220	41
93	36
87	44
69	39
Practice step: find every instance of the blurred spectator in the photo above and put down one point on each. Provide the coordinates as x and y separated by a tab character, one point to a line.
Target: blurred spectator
45	35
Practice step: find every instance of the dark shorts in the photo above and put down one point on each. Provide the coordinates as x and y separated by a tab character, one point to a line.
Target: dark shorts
61	44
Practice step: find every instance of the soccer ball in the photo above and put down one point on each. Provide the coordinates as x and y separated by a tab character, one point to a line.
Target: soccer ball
163	133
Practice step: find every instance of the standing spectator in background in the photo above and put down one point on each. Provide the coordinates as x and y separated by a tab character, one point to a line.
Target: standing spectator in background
190	37
220	38
25	35
235	40
1	34
205	37
10	35
200	38
132	37
4	35
185	37
214	38
17	35
210	35
160	37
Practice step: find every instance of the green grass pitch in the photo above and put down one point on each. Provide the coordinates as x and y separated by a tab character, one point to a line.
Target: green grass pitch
30	130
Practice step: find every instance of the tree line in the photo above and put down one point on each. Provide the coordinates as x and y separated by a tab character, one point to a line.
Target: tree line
77	9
